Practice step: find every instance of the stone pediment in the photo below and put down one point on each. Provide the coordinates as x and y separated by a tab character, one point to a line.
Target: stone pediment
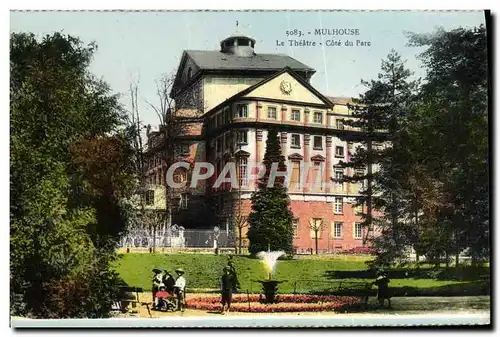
295	156
318	157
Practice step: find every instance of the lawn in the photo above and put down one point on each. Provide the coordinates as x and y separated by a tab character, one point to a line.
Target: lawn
302	275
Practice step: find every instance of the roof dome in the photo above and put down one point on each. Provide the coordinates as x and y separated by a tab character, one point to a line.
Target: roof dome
239	45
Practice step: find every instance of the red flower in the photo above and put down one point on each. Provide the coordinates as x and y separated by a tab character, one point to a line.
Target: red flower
287	303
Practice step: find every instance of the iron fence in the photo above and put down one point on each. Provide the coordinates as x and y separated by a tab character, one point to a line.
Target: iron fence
178	237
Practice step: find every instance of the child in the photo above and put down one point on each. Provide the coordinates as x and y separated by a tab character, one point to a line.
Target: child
157	280
180	286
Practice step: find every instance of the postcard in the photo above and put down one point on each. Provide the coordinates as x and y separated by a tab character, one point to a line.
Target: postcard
250	168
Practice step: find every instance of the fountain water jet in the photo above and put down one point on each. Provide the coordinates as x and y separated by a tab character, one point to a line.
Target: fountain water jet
270	287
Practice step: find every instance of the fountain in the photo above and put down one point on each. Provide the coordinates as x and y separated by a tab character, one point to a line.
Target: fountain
270	286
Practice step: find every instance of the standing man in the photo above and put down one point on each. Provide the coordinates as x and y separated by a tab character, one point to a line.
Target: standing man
382	282
180	286
227	286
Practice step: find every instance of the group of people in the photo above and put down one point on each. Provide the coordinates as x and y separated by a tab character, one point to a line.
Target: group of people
165	282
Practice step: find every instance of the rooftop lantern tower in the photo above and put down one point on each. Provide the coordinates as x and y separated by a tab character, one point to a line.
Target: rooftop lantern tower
238	44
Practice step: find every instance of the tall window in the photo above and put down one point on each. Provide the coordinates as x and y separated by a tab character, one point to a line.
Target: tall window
295	115
227	115
226	141
242	111
218	167
295	177
339	124
219	144
318	176
241	137
150	197
295	141
190	73
339	176
271	112
183	202
338	207
318	117
220	119
243	174
338	229
295	226
318	143
339	151
358	230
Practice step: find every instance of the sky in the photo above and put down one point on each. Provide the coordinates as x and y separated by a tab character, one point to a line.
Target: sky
141	46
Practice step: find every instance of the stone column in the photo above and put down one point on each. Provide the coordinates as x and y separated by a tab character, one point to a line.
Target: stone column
307	161
328	163
258	109
306	117
329	118
283	113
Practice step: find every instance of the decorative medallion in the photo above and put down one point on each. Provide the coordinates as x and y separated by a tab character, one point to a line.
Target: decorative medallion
286	87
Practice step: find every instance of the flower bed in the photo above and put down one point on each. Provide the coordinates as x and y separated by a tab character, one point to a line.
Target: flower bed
286	303
360	250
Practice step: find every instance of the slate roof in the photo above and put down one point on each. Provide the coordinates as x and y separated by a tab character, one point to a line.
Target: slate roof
216	60
340	100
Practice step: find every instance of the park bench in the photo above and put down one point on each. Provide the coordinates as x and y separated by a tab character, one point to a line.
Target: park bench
129	296
357	289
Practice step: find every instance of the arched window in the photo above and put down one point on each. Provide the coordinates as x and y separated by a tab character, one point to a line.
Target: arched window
190	71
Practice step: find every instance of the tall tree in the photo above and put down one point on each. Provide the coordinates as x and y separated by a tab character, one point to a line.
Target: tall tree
57	252
271	220
454	124
375	123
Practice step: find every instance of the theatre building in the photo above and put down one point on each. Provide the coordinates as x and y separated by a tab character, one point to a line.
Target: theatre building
236	95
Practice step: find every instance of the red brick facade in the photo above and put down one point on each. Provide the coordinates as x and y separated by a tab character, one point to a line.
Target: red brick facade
305	212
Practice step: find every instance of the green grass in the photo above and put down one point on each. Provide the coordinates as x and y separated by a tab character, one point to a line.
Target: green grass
309	273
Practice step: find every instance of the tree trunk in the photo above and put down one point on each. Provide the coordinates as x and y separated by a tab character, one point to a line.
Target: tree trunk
316	242
154	238
369	191
457	257
447	257
240	240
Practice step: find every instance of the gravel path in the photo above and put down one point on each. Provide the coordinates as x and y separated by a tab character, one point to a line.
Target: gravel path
400	305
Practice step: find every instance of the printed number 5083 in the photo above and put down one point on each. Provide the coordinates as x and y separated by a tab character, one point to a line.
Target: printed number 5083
294	32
